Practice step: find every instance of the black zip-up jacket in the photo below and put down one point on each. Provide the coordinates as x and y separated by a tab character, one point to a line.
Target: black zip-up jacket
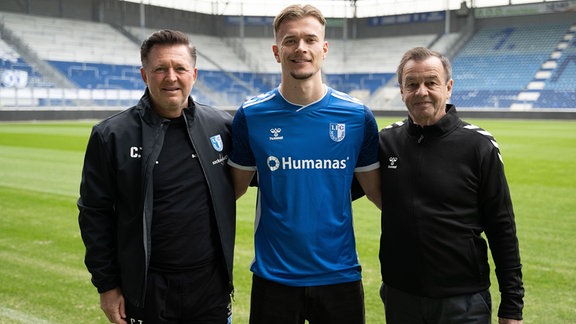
442	187
115	201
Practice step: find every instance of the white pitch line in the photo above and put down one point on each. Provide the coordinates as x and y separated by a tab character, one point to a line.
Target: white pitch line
19	316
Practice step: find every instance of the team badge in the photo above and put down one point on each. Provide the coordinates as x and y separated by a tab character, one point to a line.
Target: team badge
337	132
217	143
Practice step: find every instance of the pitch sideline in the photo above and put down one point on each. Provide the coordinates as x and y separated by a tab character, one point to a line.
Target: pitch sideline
19	316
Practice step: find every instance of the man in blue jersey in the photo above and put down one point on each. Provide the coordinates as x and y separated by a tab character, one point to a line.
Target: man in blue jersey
307	142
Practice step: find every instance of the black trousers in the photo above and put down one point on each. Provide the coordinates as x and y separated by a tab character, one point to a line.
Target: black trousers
196	297
404	308
273	303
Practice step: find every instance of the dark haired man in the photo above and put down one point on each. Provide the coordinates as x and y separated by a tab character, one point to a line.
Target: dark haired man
157	207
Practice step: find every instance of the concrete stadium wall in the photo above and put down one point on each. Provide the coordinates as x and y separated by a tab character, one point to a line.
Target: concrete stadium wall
118	13
99	114
54	114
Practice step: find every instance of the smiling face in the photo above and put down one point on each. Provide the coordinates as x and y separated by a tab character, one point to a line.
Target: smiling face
300	48
170	74
425	90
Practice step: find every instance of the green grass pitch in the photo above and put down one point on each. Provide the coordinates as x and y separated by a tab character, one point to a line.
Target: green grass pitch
43	278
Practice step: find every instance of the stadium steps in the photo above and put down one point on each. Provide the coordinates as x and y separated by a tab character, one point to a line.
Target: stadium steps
527	98
499	63
32	58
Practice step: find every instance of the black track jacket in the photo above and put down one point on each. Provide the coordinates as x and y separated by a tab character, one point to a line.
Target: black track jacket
115	201
442	187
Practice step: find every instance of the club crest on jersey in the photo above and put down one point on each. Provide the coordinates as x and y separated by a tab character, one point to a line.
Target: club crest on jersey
217	143
337	131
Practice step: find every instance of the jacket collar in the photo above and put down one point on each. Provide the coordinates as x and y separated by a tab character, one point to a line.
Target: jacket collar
446	124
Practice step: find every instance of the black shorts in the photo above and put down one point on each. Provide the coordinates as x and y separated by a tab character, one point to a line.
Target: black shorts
331	304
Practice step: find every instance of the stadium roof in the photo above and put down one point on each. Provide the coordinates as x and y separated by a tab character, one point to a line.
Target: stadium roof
330	8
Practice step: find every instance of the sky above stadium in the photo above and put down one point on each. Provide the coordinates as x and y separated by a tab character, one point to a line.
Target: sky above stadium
330	8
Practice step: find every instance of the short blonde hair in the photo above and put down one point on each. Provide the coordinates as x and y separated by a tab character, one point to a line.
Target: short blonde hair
294	12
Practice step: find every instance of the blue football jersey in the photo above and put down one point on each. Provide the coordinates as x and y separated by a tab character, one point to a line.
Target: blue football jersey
305	158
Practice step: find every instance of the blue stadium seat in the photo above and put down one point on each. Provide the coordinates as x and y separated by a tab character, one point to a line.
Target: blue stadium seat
499	63
500	66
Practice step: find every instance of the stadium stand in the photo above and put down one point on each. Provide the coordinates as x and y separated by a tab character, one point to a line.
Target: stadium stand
502	66
80	51
558	75
223	78
15	72
515	65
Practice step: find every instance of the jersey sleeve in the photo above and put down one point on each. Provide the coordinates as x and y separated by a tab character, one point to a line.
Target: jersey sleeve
368	157
241	156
